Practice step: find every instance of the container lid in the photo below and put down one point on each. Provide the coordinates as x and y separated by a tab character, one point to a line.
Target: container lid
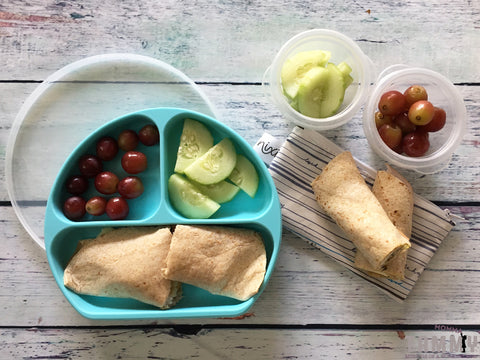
72	103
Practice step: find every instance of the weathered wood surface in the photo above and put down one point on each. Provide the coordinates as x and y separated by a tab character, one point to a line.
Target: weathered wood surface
154	343
249	112
240	38
306	288
313	307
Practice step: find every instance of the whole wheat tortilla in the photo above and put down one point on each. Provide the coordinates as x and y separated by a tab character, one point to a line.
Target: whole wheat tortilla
342	193
395	194
124	263
223	260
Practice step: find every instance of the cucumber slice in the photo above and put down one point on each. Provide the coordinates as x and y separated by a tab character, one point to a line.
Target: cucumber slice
297	66
245	176
221	192
347	81
321	92
215	165
195	141
188	200
345	69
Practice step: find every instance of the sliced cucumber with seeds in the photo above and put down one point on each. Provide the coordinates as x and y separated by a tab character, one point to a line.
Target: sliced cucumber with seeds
297	66
195	141
221	192
215	165
245	176
321	91
188	200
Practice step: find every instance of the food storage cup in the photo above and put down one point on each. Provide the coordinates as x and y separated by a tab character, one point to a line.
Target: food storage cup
342	48
441	93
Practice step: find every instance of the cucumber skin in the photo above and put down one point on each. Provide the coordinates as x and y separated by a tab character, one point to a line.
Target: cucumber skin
223	167
204	207
202	140
295	83
245	176
345	69
297	66
221	192
321	92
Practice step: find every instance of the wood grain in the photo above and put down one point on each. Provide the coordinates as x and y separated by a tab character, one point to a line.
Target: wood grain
154	343
247	110
193	37
313	307
305	282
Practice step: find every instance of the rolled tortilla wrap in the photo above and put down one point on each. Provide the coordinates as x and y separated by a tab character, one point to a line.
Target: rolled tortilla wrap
342	193
226	261
395	194
124	263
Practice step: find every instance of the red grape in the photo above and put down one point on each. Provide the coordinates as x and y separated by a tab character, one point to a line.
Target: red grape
74	207
96	205
107	148
130	187
106	182
415	93
404	123
77	184
90	165
149	135
117	208
391	135
413	114
437	123
398	149
134	162
416	144
127	140
421	112
381	119
392	103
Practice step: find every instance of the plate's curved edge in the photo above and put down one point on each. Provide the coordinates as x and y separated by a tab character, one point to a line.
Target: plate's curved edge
38	92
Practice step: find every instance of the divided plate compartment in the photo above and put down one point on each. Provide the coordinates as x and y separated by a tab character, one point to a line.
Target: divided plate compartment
153	208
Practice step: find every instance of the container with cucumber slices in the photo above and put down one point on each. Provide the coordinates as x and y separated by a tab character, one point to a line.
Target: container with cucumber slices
319	79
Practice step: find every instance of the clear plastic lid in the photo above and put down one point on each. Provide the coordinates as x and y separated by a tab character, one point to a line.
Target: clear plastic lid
69	105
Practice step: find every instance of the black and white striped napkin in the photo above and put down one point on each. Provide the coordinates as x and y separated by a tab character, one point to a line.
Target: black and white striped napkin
298	161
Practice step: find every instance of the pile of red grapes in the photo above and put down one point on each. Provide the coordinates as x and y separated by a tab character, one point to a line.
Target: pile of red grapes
113	192
404	121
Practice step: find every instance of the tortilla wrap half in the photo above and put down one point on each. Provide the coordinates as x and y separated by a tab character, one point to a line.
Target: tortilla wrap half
124	263
223	260
396	196
342	193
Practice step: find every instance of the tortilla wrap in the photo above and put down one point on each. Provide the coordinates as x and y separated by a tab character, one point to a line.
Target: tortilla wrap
395	195
342	193
226	261
124	263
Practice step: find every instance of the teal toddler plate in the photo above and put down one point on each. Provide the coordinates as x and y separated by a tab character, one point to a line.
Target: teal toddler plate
261	213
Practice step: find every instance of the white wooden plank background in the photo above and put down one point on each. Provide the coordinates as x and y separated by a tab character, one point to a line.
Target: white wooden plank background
248	111
307	287
313	308
154	343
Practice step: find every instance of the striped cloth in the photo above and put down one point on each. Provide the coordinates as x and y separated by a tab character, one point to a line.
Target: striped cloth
299	160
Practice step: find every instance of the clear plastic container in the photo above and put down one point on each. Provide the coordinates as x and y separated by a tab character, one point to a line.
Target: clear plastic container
442	93
69	105
343	49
